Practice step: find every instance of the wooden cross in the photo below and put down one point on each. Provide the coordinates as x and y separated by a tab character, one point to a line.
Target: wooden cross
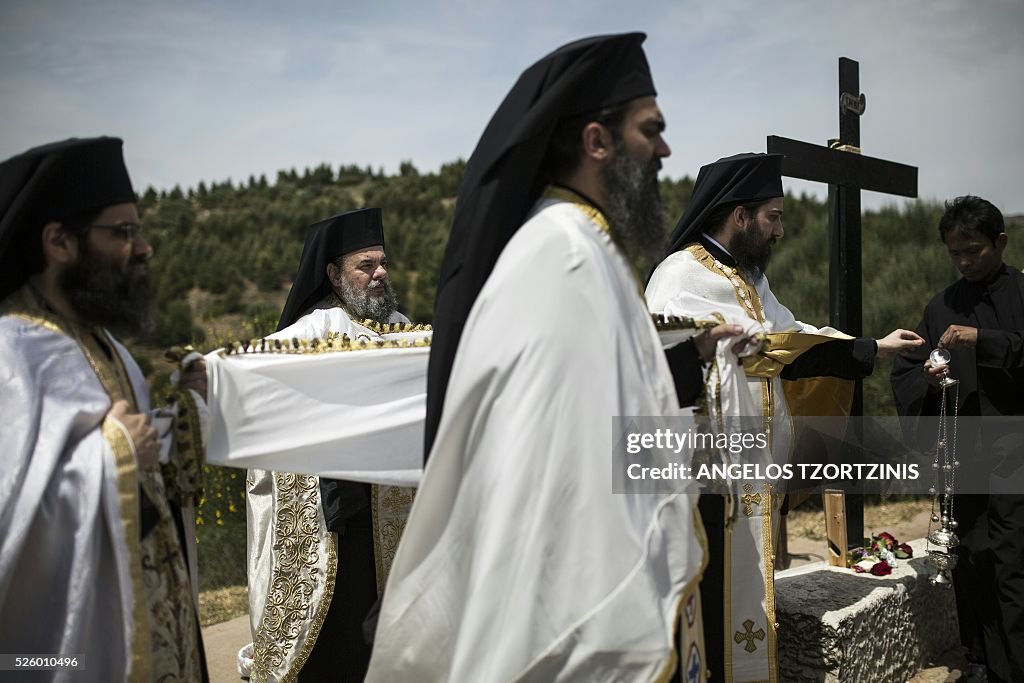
847	172
748	635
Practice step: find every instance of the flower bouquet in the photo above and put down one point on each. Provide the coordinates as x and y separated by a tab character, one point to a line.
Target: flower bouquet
879	555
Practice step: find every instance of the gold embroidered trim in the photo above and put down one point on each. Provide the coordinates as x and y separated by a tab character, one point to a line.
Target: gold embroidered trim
589	210
333	343
183	475
128	494
26	303
321	610
665	323
769	583
392	328
296	553
391	506
746	294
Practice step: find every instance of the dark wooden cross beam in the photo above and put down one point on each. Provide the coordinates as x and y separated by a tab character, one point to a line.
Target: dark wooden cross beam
847	172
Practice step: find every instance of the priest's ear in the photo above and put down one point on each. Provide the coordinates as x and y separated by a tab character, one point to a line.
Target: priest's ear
335	275
598	141
60	244
742	215
1001	241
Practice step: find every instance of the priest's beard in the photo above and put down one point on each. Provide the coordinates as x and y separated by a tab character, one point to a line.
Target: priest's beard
104	294
752	251
364	306
634	202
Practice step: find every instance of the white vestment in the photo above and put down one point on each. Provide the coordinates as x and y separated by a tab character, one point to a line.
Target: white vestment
692	282
519	563
292	556
320	322
74	577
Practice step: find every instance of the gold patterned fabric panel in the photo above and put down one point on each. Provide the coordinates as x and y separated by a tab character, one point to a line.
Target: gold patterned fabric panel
128	492
183	474
391	506
305	559
174	621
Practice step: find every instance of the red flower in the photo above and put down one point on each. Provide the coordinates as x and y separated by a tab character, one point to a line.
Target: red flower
888	539
905	547
881	569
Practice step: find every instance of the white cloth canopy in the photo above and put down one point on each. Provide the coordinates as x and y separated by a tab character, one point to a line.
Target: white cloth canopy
354	415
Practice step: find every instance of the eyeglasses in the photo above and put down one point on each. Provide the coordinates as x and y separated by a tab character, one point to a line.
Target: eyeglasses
128	231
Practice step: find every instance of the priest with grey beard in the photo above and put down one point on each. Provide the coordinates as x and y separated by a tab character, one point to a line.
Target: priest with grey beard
342	280
347	531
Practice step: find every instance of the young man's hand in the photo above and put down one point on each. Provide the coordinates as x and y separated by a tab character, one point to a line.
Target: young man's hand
959	337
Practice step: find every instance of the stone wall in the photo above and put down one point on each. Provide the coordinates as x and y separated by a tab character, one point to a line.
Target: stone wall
838	626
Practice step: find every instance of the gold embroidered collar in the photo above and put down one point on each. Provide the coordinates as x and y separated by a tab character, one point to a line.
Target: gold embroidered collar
580	202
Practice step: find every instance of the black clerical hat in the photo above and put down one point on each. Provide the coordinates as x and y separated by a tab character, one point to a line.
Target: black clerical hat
326	241
502	179
739	179
52	182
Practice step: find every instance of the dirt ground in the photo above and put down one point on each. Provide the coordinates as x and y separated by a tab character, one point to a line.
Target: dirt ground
904	519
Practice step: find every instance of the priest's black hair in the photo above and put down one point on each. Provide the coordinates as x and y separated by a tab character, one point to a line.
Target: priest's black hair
565	151
29	244
972	214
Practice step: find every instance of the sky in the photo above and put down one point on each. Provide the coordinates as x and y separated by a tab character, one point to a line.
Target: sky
221	90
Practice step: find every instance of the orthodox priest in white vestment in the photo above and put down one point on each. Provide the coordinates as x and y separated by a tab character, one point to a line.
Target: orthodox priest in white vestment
519	562
800	370
320	549
97	553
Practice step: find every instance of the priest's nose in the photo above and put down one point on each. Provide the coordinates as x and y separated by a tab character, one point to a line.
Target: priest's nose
662	150
142	247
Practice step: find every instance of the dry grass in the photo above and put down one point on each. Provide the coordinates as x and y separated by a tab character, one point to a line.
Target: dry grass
810	523
892	511
222	604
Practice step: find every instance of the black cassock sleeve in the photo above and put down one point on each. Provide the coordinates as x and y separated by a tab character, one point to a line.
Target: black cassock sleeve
843	358
687	372
912	393
1000	348
342	501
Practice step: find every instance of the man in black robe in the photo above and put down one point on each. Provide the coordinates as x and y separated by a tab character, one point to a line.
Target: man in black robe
979	319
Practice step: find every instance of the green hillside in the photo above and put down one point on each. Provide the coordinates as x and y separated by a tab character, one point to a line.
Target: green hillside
225	253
